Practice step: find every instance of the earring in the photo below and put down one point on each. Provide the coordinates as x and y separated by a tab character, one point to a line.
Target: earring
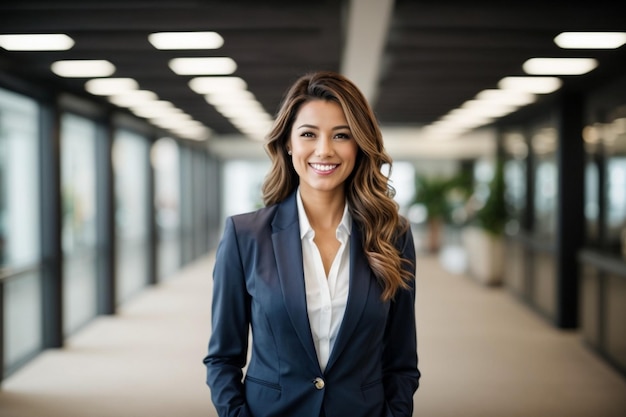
289	152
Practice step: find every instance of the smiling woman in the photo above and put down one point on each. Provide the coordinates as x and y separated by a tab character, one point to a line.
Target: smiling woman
330	229
322	149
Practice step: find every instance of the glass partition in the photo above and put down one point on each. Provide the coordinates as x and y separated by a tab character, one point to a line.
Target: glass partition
242	181
165	160
19	182
78	187
515	170
20	240
131	164
615	214
544	144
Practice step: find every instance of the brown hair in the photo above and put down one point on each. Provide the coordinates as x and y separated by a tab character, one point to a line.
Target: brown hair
369	194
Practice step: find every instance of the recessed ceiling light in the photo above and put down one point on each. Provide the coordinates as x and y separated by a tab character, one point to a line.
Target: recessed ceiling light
486	108
590	40
559	66
210	85
535	85
155	108
83	68
133	98
36	42
186	40
203	66
231	96
199	133
110	86
507	97
170	120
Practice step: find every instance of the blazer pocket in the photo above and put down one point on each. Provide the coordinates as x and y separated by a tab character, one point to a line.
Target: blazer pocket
373	392
260	390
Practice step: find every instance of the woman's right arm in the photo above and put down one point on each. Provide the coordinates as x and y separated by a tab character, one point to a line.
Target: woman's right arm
228	343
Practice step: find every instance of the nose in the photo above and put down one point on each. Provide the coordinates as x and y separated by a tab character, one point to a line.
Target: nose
324	146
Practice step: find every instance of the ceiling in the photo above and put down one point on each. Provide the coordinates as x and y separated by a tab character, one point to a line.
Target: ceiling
414	60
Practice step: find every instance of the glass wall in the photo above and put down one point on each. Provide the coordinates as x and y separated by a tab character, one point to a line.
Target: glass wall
19	228
200	203
592	187
531	172
603	261
544	145
605	179
78	185
616	184
242	181
132	205
69	192
165	161
515	151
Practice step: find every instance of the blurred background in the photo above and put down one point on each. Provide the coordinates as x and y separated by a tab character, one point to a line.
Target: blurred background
130	129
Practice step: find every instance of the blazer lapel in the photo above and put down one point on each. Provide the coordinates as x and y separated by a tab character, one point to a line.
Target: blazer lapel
360	282
288	252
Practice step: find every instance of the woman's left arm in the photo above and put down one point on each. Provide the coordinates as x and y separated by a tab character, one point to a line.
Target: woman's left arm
400	371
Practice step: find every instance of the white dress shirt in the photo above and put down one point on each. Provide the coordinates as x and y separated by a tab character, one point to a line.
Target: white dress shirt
326	297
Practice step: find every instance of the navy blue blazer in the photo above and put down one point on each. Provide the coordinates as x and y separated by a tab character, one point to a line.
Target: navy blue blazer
258	286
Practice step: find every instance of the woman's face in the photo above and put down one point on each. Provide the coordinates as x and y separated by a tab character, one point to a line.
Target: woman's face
322	148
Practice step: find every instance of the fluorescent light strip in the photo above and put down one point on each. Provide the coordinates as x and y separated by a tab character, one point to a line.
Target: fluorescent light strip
83	68
559	66
133	98
229	95
36	42
535	85
186	40
225	98
152	109
211	85
198	133
110	86
203	66
506	97
175	121
590	40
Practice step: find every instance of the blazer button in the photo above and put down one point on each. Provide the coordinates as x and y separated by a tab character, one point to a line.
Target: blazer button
319	383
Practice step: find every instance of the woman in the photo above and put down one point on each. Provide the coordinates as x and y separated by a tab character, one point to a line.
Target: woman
323	275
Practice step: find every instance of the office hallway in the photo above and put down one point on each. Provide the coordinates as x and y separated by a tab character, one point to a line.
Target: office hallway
482	354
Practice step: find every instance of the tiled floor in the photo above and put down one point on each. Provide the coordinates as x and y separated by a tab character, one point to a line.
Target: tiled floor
482	354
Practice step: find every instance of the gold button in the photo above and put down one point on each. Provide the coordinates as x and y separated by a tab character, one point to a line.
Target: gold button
319	383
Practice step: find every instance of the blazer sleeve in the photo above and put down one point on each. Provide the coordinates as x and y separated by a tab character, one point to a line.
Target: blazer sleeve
400	371
230	321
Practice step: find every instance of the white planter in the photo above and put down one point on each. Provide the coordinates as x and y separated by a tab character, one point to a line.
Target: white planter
485	255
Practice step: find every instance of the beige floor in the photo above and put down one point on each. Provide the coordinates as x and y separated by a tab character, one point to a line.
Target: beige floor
482	354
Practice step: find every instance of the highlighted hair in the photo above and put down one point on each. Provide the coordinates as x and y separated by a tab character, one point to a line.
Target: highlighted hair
369	194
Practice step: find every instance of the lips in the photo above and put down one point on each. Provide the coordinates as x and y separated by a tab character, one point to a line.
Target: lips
323	168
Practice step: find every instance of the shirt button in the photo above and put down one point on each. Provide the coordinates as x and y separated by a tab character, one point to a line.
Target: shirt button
319	383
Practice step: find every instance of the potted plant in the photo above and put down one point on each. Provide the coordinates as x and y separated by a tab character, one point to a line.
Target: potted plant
439	195
483	236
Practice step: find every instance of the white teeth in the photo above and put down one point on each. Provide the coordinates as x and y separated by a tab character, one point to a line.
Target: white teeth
323	167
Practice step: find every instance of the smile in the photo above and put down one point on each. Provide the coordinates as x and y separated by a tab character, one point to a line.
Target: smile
324	167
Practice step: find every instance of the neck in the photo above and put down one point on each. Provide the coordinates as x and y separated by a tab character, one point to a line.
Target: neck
324	210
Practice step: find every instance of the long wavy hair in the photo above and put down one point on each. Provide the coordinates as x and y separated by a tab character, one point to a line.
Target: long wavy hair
369	194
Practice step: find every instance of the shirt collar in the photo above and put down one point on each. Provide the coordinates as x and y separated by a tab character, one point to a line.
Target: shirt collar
345	226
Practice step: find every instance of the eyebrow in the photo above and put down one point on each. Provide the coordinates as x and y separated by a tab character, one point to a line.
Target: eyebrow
315	127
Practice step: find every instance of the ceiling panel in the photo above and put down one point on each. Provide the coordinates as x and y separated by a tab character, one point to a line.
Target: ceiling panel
436	54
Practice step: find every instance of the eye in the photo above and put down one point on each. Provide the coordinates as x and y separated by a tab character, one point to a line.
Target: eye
342	136
307	134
